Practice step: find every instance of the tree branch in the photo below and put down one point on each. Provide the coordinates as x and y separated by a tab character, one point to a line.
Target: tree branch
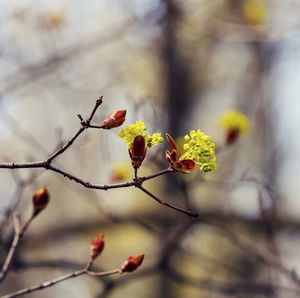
193	214
19	232
60	279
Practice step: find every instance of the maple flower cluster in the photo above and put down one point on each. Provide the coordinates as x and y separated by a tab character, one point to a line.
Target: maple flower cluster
129	132
200	149
138	141
235	123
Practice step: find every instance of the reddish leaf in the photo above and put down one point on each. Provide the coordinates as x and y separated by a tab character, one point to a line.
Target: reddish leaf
171	141
187	165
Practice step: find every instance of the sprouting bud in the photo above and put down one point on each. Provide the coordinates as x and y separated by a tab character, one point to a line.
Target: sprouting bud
97	245
132	263
115	119
40	200
138	151
183	165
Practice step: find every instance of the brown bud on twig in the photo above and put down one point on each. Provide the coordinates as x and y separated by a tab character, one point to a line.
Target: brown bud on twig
231	136
40	200
97	245
132	263
115	119
138	151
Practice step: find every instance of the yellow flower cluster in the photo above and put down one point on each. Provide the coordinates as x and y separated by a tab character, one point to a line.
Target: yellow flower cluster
200	149
129	132
255	11
234	120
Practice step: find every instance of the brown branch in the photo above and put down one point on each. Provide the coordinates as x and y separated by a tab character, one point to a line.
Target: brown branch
19	232
166	171
84	125
88	184
193	214
98	103
137	181
60	279
66	146
46	164
96	126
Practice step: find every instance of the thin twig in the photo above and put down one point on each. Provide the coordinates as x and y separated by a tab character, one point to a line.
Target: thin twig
115	271
19	232
187	212
12	249
45	165
166	171
58	280
84	125
96	126
66	146
135	182
85	270
88	184
98	103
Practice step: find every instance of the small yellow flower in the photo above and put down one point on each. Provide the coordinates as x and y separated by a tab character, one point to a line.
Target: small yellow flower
232	120
129	132
255	11
121	171
54	16
200	149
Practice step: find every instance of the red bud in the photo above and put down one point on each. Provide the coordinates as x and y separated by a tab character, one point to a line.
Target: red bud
40	200
231	136
132	263
97	245
115	119
138	151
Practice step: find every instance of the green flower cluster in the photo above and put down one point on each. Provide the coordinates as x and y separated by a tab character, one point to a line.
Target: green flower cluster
129	132
200	149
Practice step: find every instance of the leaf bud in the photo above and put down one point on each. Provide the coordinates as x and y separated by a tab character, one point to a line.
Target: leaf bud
40	200
138	151
132	263
97	245
115	119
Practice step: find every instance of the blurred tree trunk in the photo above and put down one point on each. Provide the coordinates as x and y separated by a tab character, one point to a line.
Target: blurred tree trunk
177	100
177	72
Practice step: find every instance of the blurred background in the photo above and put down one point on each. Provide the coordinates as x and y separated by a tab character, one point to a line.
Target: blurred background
177	66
